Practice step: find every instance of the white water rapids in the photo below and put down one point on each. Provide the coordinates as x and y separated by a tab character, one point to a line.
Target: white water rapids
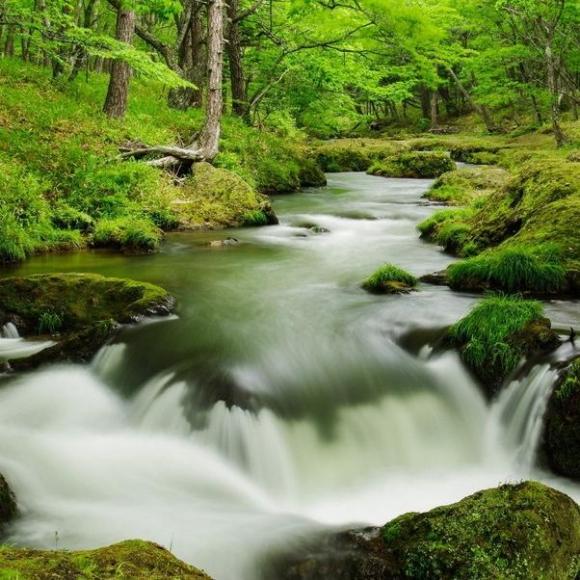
335	425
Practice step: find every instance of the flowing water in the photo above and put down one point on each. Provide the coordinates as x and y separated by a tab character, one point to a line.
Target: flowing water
279	400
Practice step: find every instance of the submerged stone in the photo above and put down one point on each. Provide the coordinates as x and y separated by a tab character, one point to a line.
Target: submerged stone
129	559
518	531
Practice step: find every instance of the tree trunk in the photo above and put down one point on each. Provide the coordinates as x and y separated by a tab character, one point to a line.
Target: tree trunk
210	134
554	96
481	110
434	109
118	92
234	49
80	57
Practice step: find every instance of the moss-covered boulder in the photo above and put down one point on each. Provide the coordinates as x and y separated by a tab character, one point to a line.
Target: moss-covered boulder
7	502
82	311
464	185
417	164
562	424
352	154
518	532
390	279
498	332
311	175
129	559
217	198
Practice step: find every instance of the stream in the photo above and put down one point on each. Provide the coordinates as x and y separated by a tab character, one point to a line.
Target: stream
277	402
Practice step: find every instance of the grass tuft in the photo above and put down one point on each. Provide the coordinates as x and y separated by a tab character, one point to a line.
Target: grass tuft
485	334
390	279
512	269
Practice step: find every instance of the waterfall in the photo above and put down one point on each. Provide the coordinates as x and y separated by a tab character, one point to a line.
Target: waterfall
516	416
9	330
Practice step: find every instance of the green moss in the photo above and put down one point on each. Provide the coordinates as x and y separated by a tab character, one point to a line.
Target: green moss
562	431
390	279
460	187
217	197
129	559
352	154
79	300
419	164
429	228
497	333
535	269
518	531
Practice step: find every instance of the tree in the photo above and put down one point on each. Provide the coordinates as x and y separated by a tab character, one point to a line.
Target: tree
118	91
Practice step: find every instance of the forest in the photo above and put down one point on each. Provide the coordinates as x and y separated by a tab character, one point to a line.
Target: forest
289	289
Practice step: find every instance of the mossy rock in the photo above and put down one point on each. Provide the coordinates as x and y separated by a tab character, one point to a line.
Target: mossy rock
128	559
464	185
217	198
414	164
514	532
562	424
8	507
497	333
390	279
352	154
82	311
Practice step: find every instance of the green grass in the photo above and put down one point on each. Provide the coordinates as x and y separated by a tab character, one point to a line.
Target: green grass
127	232
389	279
430	227
49	322
512	269
486	334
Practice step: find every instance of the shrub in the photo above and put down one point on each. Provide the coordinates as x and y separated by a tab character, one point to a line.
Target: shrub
512	269
390	279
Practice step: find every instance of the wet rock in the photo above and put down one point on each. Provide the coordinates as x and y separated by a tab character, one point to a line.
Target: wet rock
80	311
562	424
129	559
226	242
436	278
526	530
314	228
311	175
8	507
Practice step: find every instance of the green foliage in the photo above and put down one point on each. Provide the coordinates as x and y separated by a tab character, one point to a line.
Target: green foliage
421	164
486	334
513	269
570	386
390	279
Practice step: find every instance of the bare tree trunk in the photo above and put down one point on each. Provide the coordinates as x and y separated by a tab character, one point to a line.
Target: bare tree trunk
210	134
554	96
434	109
234	49
80	57
483	112
118	92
